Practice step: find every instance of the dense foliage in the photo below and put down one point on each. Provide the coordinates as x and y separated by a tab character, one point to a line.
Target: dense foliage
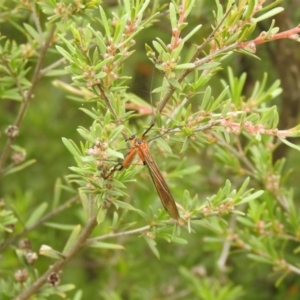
79	219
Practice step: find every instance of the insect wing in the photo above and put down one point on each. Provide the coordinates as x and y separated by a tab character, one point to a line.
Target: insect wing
159	182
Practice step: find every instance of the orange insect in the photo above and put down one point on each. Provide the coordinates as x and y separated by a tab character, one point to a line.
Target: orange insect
140	147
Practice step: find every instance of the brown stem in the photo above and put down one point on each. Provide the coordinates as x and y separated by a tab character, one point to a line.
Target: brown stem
199	49
27	96
259	40
34	288
39	222
279	36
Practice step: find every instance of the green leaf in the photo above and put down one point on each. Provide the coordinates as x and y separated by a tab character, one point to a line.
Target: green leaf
173	16
120	28
260	258
56	73
282	277
188	6
124	205
161	89
99	38
164	145
184	172
59	290
290	144
65	287
158	47
36	214
152	245
102	63
185	144
65	54
86	135
245	221
206	99
238	212
191	33
116	132
81	171
57	192
251	197
143	8
226	108
105	23
208	66
185	66
78	295
175	83
72	239
68	43
269	14
48	251
243	187
59	226
70	145
178	240
7	217
106	246
114	153
250	8
89	113
35	35
101	215
270	118
20	167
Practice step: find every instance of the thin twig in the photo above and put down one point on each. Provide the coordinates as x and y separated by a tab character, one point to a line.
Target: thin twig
211	56
199	62
172	89
52	66
117	234
210	37
293	269
108	104
227	244
177	108
37	21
